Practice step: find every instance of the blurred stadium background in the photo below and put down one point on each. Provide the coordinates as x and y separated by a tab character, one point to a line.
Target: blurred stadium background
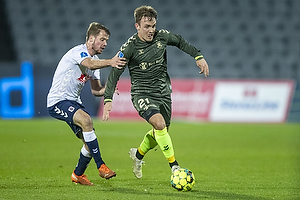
240	39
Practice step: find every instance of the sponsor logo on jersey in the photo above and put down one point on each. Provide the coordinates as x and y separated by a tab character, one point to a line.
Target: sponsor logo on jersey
83	54
84	78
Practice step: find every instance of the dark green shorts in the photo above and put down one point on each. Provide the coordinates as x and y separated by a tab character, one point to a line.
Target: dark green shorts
147	106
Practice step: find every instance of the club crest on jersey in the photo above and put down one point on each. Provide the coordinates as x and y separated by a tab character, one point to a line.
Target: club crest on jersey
84	78
83	54
143	65
159	45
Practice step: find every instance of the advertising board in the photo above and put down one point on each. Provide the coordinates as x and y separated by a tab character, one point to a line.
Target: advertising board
216	101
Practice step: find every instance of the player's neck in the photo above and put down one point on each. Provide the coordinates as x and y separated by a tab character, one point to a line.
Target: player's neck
90	49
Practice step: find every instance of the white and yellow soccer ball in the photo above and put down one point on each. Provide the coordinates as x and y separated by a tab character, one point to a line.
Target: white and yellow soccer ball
183	179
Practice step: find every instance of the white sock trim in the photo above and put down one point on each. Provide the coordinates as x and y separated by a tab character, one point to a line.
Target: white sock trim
89	136
85	152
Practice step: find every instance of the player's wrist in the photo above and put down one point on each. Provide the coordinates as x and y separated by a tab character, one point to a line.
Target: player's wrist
107	100
198	57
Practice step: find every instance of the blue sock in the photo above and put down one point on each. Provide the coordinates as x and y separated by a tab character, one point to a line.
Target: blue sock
92	142
82	164
95	152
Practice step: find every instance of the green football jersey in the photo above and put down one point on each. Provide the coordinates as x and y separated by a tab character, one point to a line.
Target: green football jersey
147	64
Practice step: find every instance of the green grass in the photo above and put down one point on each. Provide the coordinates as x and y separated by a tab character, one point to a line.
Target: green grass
230	161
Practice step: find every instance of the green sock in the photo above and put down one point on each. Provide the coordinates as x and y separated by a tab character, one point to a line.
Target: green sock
165	143
147	143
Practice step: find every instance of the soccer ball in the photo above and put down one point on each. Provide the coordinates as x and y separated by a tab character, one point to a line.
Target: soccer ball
183	179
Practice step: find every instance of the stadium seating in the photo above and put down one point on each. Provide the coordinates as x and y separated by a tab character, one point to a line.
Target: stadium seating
240	39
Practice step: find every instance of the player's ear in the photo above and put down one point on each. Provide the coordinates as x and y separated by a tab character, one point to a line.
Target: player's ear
137	26
91	39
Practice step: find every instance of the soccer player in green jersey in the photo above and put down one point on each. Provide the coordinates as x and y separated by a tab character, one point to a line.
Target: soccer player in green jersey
145	54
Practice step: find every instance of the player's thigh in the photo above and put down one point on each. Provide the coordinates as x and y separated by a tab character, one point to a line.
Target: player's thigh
152	108
83	119
65	110
166	109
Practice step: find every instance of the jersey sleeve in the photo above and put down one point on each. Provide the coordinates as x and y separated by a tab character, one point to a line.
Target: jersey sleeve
111	83
79	55
128	47
115	73
182	44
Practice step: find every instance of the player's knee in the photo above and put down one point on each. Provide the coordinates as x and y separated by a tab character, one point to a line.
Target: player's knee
87	124
159	125
158	122
83	120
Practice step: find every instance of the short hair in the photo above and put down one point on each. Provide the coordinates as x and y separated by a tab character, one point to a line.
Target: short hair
144	11
94	29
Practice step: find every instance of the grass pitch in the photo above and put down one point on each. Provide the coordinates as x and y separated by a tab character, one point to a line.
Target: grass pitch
230	161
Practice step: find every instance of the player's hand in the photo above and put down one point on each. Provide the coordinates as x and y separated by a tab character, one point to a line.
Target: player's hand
106	109
117	90
202	64
117	61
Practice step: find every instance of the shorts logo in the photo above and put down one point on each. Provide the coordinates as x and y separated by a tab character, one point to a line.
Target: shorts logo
60	112
71	109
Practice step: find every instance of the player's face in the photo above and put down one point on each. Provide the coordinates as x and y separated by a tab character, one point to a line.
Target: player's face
100	42
146	28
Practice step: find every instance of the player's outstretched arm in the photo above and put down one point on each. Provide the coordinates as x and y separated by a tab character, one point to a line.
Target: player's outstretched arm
102	63
106	109
202	64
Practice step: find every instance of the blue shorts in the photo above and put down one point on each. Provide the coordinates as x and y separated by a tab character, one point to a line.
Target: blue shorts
65	110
